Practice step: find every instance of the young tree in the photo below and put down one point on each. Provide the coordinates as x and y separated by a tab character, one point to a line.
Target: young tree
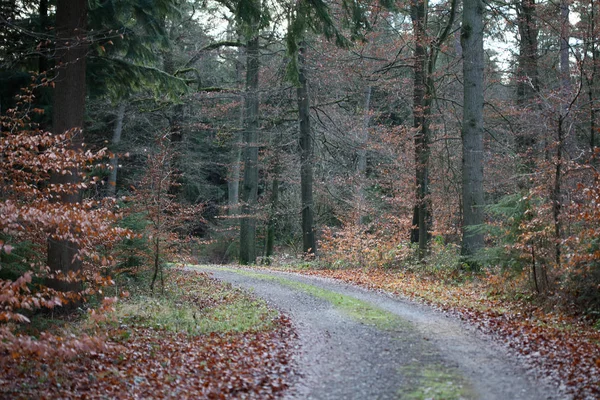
155	200
30	214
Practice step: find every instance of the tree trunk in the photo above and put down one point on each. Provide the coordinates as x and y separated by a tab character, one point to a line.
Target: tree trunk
527	75
472	129
309	244
361	167
114	160
68	113
249	191
43	15
528	81
556	197
270	243
233	182
592	91
176	131
562	133
565	73
421	112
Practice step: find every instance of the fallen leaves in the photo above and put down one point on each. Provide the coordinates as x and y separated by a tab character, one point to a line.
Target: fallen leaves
139	361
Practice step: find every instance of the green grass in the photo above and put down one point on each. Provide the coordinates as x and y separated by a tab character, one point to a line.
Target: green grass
194	304
356	309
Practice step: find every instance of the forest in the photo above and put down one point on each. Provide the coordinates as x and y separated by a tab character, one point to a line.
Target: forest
444	151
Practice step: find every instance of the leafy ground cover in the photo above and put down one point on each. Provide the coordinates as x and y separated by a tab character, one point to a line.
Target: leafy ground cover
200	339
564	346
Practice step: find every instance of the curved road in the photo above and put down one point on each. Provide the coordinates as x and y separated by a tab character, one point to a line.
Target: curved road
361	344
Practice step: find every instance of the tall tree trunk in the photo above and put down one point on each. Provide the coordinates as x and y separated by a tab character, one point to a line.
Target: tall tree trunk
556	192
421	113
68	113
309	243
593	99
528	80
176	131
249	193
591	54
565	73
472	129
565	81
114	160
562	133
43	15
426	52
233	182
361	166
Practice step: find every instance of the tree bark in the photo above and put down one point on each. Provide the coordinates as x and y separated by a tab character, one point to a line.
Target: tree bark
361	166
472	129
527	81
528	78
233	182
176	131
309	244
249	192
426	52
270	243
68	114
592	47
43	15
562	133
421	112
565	73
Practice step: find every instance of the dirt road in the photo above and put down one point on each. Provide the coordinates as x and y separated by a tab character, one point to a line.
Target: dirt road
360	344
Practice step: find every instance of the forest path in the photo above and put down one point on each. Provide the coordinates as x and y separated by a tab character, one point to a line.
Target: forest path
361	344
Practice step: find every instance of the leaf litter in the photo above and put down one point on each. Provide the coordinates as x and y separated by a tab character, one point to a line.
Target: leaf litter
145	362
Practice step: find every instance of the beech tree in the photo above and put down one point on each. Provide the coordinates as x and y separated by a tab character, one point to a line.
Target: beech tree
425	59
253	22
67	115
472	126
30	214
309	243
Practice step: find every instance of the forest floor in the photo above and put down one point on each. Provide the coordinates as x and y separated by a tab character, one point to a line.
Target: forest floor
351	333
551	339
198	339
364	344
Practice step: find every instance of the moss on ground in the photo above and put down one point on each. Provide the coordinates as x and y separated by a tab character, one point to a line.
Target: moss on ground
434	381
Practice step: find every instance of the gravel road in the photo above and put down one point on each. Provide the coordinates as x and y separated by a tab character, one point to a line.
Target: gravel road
422	354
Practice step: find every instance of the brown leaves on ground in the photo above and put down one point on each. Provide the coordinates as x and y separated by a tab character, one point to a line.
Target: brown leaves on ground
142	361
149	363
563	346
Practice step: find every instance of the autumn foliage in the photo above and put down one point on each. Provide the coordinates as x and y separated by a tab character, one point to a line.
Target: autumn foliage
31	213
167	220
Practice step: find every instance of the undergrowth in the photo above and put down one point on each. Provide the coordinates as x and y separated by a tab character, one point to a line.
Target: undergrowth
197	339
193	304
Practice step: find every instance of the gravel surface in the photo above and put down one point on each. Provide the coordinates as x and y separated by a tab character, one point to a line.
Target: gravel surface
426	355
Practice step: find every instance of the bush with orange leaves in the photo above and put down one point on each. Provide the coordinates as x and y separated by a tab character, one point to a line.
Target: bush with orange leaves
30	214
